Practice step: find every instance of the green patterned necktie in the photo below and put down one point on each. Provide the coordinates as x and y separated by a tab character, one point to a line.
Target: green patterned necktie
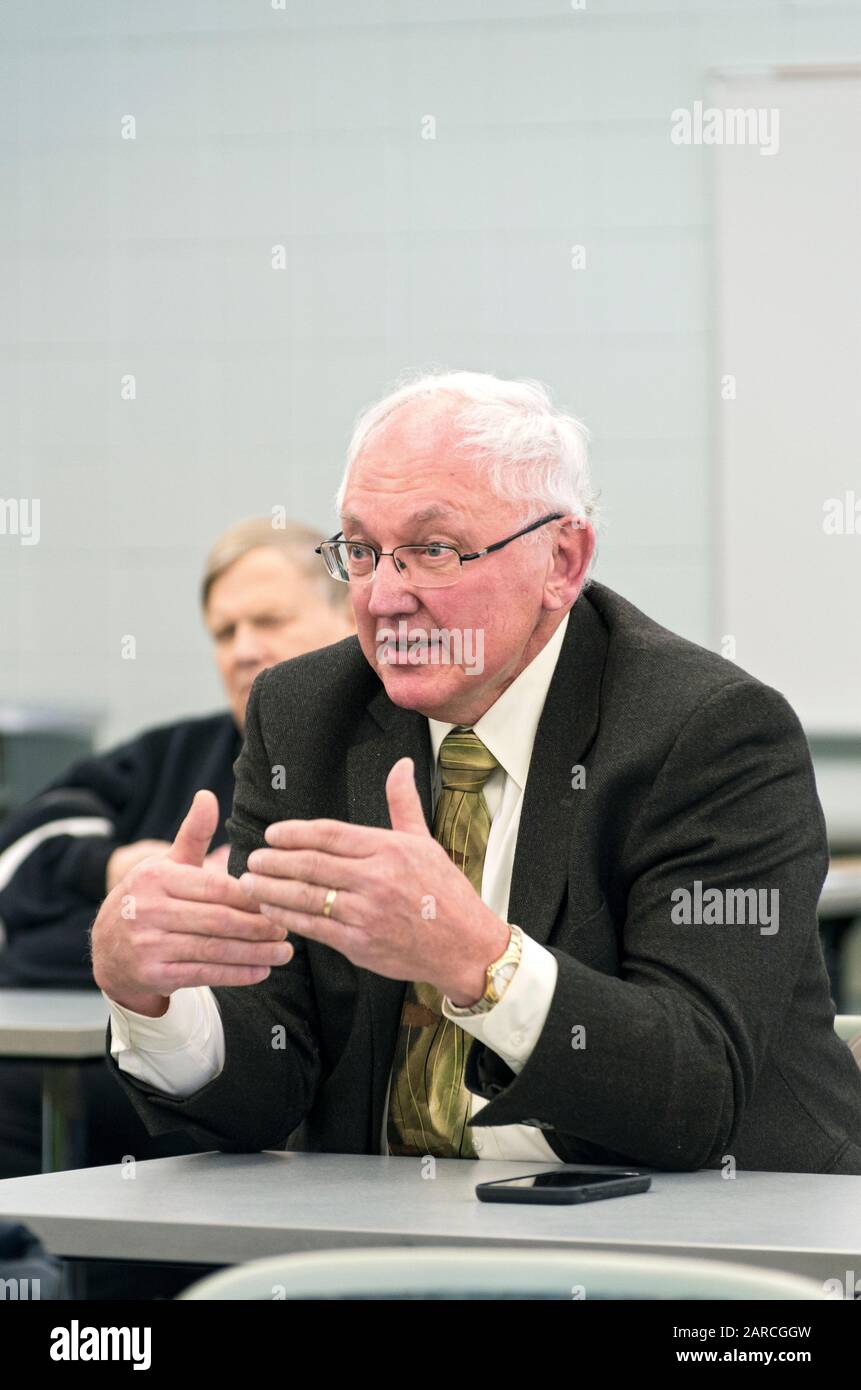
429	1104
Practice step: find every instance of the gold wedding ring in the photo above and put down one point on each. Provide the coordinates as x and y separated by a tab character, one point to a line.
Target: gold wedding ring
330	902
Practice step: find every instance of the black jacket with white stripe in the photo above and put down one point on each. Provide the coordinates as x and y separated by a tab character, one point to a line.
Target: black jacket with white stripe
54	850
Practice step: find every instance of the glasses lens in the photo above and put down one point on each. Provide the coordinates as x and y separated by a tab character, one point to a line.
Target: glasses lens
332	561
356	560
429	566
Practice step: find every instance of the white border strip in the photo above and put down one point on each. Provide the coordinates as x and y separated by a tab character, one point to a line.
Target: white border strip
12	858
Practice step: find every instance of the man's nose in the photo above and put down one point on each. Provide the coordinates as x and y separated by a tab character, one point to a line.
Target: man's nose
247	645
388	591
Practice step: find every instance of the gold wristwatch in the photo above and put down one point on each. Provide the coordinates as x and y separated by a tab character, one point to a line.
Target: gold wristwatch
500	973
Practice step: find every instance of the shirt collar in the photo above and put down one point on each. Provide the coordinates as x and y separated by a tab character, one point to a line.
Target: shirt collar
508	728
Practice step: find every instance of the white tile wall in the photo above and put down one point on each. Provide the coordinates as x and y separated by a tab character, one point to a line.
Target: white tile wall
303	127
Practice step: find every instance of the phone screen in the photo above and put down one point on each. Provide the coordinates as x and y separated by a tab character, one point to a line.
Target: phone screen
567	1179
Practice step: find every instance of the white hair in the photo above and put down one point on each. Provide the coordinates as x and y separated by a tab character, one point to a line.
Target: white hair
528	450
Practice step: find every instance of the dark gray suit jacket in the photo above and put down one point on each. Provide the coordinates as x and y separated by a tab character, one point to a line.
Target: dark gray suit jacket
701	1041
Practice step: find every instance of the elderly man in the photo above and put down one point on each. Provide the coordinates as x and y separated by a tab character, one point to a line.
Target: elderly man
560	903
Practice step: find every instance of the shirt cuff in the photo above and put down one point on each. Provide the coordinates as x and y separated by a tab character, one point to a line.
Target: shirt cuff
513	1026
180	1025
177	1054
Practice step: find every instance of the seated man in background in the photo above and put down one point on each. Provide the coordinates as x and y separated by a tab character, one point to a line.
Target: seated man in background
264	601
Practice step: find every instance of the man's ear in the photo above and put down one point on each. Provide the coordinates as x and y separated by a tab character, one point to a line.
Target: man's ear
573	550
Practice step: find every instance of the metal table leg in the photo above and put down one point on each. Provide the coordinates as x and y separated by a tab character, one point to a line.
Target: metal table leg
63	1121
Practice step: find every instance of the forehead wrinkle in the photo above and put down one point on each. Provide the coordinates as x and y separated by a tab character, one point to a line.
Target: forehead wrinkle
430	513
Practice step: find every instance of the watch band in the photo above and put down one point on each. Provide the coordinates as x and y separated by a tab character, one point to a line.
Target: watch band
500	973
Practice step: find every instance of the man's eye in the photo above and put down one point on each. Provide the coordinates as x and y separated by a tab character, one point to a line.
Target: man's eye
358	552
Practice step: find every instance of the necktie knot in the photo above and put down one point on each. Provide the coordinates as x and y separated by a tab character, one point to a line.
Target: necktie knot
464	762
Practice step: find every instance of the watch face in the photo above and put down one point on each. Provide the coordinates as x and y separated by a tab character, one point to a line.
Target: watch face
503	975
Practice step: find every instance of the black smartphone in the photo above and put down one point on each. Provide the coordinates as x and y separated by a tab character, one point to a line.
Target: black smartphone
571	1182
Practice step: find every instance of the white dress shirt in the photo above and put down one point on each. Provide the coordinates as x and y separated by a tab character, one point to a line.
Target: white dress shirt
183	1051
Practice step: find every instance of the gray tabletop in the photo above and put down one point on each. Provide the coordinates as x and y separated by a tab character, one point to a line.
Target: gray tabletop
222	1208
55	1024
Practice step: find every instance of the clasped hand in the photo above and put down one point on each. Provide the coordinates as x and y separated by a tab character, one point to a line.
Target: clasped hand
401	907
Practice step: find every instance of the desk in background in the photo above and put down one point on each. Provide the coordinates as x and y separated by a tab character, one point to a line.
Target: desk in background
61	1028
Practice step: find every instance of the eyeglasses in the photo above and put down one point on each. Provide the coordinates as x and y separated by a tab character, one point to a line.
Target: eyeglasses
431	566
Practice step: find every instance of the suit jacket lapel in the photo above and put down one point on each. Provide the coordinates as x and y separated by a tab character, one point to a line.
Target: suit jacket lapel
551	805
391	733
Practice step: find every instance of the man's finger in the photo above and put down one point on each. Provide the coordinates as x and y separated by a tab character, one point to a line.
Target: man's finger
188	974
225	951
327	930
405	807
186	882
309	866
330	836
211	919
200	824
301	897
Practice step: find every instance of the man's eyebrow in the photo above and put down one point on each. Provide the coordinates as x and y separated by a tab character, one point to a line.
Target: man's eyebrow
434	512
272	610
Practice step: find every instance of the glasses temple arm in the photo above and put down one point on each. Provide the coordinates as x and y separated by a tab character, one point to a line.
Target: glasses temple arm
488	549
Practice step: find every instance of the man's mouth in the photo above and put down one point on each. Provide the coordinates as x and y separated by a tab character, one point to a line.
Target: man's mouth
410	647
398	650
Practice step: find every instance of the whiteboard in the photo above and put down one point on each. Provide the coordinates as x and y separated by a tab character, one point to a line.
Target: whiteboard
787	494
